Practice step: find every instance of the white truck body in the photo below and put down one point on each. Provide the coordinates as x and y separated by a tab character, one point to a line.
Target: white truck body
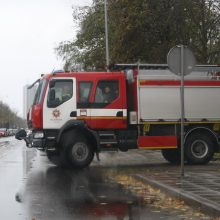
161	101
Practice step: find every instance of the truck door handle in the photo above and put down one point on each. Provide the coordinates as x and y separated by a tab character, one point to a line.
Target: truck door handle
119	114
73	114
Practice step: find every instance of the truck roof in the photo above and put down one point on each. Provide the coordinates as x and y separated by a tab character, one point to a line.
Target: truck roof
83	75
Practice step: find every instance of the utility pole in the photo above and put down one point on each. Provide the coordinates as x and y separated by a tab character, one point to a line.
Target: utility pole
106	38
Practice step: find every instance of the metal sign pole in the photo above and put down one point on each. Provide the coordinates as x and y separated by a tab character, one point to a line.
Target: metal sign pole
182	108
181	62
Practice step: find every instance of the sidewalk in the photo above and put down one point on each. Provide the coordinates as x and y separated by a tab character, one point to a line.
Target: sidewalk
199	187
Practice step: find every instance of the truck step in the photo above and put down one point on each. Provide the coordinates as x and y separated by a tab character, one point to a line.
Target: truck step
107	138
106	133
110	141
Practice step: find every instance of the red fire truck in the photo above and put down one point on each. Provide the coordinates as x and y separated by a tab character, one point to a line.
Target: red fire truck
76	115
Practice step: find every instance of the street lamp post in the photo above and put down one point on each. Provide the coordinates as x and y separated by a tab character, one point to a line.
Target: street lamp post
106	38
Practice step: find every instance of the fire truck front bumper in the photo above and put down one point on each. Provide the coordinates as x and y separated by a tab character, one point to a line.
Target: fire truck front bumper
43	140
37	139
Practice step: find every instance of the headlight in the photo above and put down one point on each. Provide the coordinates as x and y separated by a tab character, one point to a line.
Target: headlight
39	134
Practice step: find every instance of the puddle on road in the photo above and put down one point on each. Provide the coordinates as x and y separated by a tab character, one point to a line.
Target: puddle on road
93	193
71	194
97	192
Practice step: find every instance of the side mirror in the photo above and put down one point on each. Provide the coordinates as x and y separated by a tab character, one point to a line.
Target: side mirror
21	134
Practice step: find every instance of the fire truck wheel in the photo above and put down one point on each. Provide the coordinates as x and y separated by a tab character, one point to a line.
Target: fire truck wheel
77	150
199	148
172	155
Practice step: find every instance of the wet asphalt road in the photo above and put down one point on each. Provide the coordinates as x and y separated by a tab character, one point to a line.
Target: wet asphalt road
32	188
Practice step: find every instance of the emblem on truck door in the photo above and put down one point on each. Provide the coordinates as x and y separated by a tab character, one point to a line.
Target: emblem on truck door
56	113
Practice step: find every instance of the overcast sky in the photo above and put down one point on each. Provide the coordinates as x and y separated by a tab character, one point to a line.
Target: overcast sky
29	32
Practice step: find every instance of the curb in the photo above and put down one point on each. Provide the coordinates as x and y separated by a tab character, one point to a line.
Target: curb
207	206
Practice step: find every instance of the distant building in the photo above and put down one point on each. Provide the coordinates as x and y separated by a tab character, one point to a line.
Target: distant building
28	98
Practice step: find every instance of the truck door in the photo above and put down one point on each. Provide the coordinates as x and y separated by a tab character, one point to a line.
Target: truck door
83	100
108	104
60	102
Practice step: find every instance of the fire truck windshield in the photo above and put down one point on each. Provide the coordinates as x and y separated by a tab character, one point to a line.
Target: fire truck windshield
39	92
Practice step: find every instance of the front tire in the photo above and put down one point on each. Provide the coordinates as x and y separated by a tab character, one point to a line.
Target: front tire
77	150
199	148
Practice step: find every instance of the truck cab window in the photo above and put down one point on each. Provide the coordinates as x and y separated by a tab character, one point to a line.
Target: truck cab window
39	92
106	92
60	92
84	90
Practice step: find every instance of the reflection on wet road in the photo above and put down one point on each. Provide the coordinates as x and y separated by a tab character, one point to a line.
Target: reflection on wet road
11	178
63	194
32	188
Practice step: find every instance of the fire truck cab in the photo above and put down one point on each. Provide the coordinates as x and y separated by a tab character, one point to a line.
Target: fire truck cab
79	114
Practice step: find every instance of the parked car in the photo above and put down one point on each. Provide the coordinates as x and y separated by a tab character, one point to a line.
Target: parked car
3	132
